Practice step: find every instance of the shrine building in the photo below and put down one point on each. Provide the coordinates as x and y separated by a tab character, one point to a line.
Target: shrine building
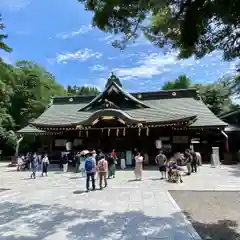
116	119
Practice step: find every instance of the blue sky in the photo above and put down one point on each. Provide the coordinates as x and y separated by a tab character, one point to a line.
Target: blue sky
58	35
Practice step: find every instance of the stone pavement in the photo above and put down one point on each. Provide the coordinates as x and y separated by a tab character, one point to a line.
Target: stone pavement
57	206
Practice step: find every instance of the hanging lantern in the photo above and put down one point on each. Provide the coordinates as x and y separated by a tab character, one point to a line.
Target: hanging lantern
147	131
117	132
124	131
139	131
109	132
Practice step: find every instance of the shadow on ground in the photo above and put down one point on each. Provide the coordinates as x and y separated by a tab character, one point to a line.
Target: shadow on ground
234	170
220	230
38	221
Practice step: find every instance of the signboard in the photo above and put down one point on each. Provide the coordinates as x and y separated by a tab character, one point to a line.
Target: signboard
60	142
77	142
180	139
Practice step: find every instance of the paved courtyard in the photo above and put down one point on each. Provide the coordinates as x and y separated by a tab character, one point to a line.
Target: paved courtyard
56	207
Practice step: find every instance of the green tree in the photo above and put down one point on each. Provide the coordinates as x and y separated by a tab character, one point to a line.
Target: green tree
3	37
195	27
182	82
217	96
32	92
82	91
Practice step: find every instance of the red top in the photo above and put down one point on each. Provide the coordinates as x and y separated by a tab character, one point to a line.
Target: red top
114	155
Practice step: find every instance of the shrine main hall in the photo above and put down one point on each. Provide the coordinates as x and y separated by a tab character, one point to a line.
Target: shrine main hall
116	119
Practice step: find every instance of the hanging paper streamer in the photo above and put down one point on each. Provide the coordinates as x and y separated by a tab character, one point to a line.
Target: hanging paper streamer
80	133
117	132
147	131
124	131
87	133
109	131
69	146
139	131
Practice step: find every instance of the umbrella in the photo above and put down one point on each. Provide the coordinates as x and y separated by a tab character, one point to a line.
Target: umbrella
84	152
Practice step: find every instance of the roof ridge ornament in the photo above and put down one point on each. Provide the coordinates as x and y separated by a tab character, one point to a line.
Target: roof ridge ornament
113	79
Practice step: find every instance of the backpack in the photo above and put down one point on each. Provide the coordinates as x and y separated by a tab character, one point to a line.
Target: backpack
89	165
101	166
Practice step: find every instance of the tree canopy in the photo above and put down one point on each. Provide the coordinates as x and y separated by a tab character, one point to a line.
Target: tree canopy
82	91
182	82
217	95
25	91
195	27
3	37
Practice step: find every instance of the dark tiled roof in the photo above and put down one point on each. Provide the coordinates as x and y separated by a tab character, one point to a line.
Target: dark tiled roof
163	106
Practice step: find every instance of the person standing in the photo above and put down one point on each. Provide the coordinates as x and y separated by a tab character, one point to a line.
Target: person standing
102	167
45	164
194	162
112	160
34	165
161	161
78	162
82	164
188	161
90	168
65	162
138	166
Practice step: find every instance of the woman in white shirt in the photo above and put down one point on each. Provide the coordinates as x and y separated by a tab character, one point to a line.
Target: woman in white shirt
138	166
45	163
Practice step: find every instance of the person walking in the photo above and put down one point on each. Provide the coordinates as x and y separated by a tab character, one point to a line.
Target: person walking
138	166
45	164
90	168
34	165
102	167
161	161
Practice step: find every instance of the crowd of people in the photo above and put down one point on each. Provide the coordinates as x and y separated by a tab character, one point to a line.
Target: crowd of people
34	162
171	169
98	165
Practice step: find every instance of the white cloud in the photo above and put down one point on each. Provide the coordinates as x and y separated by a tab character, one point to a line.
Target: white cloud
81	55
14	5
81	31
149	66
98	68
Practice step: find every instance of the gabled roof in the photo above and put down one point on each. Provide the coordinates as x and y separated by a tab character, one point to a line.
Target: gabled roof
157	107
113	88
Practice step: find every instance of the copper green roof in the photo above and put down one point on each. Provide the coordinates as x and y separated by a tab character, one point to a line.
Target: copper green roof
30	129
151	107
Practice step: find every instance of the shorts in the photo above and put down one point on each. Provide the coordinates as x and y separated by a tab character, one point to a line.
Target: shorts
162	169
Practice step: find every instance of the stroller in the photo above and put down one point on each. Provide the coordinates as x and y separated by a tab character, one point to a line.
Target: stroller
174	174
